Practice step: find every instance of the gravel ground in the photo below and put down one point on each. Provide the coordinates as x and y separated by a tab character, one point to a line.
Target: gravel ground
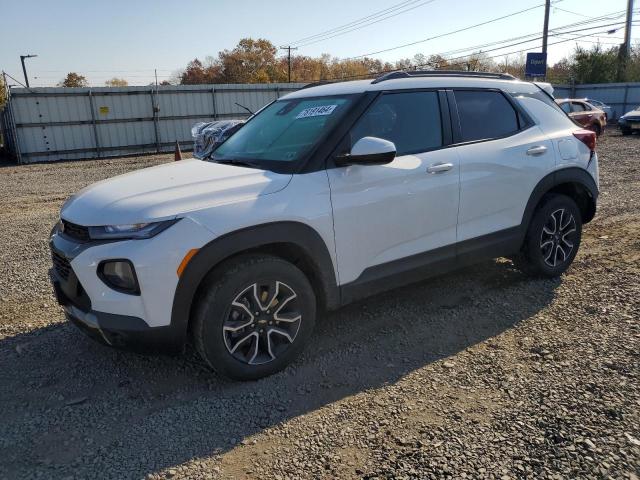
483	373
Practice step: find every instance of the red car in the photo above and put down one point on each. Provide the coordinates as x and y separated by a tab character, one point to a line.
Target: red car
584	114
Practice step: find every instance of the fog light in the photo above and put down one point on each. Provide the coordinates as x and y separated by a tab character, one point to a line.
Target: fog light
119	275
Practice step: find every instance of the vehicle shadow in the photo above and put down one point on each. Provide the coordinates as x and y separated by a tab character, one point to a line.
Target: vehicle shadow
73	407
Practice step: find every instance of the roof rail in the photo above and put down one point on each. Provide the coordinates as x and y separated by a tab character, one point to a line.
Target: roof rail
440	73
316	84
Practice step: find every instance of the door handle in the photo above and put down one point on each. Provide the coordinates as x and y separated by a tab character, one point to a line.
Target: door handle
439	167
536	151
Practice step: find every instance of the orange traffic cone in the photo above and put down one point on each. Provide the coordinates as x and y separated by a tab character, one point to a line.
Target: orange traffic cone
177	154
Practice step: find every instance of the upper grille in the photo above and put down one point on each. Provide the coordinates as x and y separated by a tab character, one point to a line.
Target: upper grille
61	264
77	232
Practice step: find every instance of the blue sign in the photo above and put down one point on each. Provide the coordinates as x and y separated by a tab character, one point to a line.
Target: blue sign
536	65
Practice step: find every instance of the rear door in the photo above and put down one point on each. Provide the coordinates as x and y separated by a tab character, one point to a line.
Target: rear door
503	155
385	213
580	112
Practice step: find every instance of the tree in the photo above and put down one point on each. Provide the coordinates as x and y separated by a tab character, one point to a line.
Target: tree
197	73
560	73
74	79
596	65
116	82
251	61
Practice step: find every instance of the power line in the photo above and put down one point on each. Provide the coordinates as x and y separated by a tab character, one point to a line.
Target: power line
447	33
574	13
357	21
367	24
453	60
603	17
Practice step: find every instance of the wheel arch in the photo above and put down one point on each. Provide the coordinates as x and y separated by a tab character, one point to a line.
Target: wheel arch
295	242
574	182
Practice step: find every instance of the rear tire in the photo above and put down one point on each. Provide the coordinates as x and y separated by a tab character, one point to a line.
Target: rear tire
255	317
552	239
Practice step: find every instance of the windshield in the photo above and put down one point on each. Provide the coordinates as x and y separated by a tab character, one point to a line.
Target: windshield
285	131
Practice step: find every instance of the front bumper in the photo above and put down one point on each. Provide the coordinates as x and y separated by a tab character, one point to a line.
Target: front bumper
135	322
120	331
629	123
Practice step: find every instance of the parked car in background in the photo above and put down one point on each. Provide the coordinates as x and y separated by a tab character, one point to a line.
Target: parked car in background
630	122
584	114
607	109
208	135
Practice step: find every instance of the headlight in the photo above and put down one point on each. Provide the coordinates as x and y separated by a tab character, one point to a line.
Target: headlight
134	231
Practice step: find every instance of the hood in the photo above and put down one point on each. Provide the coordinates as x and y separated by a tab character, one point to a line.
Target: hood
632	113
168	190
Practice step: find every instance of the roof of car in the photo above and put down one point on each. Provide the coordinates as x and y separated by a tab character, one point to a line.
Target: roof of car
411	82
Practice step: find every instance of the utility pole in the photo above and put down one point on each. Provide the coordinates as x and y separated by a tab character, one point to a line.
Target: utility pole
545	32
288	49
625	48
24	69
545	28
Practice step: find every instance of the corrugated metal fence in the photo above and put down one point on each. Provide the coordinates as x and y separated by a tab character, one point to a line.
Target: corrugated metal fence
48	124
622	97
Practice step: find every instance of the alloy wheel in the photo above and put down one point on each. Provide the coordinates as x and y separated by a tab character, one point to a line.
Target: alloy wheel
558	237
262	322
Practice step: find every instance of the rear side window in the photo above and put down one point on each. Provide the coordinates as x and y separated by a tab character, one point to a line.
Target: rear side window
578	107
411	120
566	107
485	115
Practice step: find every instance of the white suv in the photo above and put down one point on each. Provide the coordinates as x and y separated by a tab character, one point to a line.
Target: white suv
327	195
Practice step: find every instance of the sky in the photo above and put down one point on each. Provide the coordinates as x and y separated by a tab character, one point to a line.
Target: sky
129	39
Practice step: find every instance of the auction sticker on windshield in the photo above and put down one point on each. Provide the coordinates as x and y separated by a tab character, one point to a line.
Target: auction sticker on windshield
317	111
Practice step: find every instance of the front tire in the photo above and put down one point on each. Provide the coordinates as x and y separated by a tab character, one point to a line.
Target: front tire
552	239
626	131
254	318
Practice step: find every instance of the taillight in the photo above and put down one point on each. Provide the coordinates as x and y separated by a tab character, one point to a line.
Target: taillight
587	137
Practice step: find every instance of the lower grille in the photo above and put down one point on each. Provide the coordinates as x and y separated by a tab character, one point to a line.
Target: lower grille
62	265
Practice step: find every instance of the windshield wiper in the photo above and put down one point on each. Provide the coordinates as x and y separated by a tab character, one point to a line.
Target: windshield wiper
236	161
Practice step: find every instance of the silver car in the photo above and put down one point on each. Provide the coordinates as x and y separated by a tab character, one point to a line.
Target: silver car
607	109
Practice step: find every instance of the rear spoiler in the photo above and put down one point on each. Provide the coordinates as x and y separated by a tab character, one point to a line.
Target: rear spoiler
547	87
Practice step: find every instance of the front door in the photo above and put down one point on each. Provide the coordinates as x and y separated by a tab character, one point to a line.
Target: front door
386	216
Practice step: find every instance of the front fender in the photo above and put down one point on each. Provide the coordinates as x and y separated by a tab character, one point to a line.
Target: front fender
301	236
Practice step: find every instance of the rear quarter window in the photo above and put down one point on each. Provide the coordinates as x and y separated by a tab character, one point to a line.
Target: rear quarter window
485	115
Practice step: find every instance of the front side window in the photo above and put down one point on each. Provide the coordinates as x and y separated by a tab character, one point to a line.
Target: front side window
284	132
411	120
485	115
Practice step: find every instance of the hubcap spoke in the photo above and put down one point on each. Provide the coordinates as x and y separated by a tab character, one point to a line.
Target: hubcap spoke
242	341
262	322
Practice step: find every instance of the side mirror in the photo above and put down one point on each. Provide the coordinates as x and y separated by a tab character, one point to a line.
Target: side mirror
369	151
